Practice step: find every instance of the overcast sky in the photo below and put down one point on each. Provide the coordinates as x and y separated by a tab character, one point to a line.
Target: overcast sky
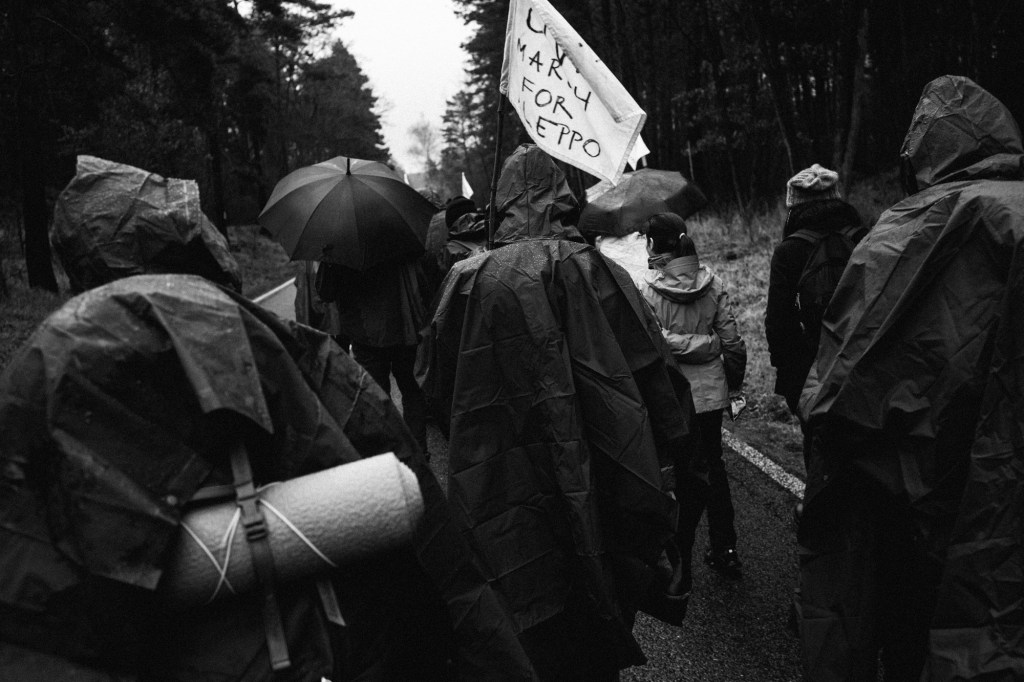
411	52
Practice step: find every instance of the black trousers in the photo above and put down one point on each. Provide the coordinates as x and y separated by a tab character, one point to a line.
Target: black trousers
400	361
713	496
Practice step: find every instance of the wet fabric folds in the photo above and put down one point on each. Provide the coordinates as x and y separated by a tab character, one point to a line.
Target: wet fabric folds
910	537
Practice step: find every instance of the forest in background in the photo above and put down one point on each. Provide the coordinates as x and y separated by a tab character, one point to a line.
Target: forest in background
232	94
739	95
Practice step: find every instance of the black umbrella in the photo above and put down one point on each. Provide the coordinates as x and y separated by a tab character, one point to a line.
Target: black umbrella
349	211
621	209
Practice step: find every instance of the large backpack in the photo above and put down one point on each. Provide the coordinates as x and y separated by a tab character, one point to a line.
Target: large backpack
821	273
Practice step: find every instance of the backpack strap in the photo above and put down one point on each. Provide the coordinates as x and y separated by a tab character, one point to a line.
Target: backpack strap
813	236
258	536
851	232
809	236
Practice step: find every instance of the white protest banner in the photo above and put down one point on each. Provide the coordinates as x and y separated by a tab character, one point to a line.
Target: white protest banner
640	150
570	103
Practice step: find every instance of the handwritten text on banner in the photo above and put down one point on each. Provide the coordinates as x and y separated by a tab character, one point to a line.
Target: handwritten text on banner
570	103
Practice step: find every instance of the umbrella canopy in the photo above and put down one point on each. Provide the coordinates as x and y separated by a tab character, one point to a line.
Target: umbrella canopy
352	212
621	209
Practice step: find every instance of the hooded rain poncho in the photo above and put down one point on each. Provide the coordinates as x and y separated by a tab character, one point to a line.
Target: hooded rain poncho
121	405
911	536
563	408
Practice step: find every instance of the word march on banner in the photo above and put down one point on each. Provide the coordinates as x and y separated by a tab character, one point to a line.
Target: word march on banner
570	103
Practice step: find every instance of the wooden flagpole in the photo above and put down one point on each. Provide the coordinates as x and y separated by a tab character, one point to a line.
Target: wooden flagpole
492	212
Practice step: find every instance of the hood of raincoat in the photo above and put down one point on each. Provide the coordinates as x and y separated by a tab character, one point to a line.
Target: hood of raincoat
959	131
534	199
469	226
120	406
113	220
681	279
914	403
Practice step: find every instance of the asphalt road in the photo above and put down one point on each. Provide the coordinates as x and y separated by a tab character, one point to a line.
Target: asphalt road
735	630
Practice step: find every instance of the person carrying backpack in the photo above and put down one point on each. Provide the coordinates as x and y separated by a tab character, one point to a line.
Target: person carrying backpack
818	237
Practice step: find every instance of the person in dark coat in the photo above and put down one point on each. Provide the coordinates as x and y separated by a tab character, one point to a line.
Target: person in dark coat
383	312
566	417
815	208
910	540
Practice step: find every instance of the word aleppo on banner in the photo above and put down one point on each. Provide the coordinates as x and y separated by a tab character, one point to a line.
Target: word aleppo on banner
570	103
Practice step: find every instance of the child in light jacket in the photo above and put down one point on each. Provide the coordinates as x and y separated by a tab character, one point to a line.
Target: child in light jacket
692	306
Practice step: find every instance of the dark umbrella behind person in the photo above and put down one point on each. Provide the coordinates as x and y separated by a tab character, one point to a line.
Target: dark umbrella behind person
351	212
621	209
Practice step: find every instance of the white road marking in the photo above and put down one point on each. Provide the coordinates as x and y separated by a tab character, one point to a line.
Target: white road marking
769	467
280	300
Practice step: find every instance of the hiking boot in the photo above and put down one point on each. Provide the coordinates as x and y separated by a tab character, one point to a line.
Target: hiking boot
726	562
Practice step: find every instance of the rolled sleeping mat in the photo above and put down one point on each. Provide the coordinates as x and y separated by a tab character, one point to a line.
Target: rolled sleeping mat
315	522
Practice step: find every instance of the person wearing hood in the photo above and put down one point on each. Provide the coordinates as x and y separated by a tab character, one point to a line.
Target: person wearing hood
566	418
467	236
910	540
692	305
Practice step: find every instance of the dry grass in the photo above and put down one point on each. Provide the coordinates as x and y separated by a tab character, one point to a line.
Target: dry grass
263	262
20	313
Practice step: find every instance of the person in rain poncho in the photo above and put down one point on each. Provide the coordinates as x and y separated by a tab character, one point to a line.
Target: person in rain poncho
382	311
910	542
122	406
692	305
565	417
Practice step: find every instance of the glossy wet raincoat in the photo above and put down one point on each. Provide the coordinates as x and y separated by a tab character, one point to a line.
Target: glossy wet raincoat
564	408
113	220
911	538
124	403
